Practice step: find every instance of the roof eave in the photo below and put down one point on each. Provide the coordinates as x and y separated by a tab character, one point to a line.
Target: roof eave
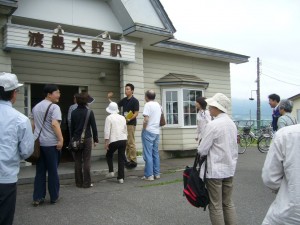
147	29
161	12
204	51
8	7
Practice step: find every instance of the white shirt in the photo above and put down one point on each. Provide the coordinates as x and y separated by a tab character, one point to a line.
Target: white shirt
203	117
281	173
115	128
153	110
219	143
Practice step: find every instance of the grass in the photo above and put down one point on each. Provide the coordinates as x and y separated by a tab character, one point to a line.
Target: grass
162	183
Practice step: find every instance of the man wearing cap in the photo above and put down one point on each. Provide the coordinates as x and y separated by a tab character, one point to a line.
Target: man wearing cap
115	135
16	142
220	146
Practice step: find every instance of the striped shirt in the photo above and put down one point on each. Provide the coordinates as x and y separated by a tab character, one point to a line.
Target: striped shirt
219	144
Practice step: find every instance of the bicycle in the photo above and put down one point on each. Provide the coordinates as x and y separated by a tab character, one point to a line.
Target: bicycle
263	137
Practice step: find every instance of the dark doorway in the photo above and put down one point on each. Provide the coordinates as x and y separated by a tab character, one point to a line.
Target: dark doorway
65	101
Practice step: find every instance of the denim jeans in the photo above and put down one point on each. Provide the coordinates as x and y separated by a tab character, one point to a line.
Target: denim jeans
150	153
48	162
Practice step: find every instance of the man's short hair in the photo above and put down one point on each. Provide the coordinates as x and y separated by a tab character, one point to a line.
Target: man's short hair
150	94
130	85
82	99
274	97
6	95
49	89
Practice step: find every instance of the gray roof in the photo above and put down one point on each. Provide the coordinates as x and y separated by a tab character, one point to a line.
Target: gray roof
294	97
181	79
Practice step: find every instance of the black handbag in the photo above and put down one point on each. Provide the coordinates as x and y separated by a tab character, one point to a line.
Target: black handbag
78	145
194	187
36	149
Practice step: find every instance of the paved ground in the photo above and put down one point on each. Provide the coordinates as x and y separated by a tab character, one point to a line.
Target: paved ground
139	202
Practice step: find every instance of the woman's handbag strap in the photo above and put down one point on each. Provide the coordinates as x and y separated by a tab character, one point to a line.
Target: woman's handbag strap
85	123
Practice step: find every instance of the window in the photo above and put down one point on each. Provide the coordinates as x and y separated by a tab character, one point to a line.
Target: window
172	107
179	105
189	108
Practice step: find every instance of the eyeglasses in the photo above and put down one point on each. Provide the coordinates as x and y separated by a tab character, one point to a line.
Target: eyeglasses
17	90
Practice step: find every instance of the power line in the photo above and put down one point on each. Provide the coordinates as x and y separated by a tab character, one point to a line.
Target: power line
282	67
280	74
280	80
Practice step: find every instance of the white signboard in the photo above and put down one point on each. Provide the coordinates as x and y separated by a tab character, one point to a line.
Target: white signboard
36	39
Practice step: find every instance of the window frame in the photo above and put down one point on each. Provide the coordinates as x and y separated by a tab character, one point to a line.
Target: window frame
180	105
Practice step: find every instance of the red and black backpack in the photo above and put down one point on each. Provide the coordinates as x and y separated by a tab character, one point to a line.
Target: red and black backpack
194	187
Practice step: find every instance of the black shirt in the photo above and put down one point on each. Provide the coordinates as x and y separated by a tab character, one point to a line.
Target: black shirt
131	104
77	122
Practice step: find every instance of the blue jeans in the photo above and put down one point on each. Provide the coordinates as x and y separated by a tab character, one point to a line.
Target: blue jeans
48	161
150	153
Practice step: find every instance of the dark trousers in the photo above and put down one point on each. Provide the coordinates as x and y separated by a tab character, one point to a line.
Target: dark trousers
48	162
8	195
83	165
120	146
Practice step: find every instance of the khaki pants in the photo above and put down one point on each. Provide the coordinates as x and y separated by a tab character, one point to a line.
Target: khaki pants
130	147
221	207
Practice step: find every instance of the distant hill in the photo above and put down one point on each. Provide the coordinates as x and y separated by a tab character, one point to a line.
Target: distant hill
241	109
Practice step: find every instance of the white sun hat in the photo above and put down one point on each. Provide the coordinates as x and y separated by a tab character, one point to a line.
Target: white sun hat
112	108
9	81
219	101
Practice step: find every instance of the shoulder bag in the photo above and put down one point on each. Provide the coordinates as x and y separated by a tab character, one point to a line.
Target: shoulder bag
77	145
36	149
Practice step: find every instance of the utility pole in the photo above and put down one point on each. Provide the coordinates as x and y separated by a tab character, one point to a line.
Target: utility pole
258	94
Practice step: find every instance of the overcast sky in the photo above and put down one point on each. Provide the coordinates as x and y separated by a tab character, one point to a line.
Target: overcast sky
268	29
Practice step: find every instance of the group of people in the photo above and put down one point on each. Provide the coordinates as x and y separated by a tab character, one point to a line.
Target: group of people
119	134
281	116
217	142
18	134
216	136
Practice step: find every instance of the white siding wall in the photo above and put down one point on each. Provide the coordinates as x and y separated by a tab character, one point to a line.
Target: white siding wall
296	109
5	62
157	65
32	67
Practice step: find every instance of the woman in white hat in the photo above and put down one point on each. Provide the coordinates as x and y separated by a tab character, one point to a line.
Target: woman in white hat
219	145
115	135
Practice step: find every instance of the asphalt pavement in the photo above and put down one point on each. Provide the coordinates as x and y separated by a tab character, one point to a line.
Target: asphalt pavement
138	202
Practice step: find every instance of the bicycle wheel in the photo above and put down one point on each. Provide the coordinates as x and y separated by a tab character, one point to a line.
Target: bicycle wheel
244	142
263	144
247	140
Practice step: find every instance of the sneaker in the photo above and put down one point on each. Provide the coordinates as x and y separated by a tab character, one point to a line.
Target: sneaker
110	174
151	178
121	181
38	202
157	177
88	186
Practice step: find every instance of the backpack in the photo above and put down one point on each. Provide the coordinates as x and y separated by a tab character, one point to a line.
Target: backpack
194	188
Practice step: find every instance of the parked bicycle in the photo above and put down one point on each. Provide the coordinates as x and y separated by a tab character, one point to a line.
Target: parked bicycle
246	137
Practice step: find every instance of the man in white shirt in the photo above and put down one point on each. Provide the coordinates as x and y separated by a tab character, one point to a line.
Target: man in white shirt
281	174
150	137
219	144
